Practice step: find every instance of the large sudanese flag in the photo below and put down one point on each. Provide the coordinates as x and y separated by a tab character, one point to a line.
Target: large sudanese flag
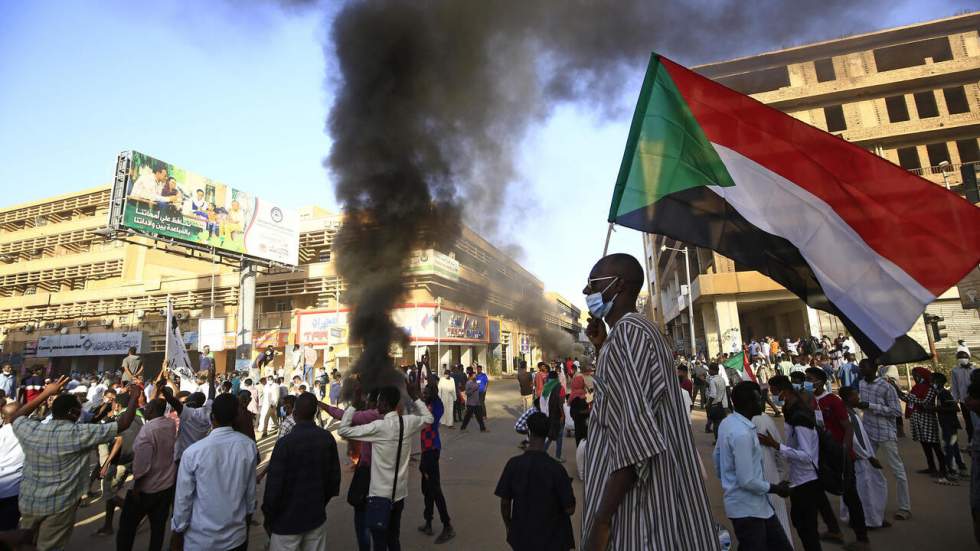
843	229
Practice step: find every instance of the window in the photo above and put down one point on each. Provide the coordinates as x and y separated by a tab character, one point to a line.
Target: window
825	70
938	152
956	100
323	255
914	53
908	158
898	110
925	104
968	150
835	118
765	80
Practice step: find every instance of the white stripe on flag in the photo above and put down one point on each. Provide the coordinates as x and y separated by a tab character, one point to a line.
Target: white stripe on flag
874	293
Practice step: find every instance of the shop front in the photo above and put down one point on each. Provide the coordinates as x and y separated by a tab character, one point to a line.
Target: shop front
87	352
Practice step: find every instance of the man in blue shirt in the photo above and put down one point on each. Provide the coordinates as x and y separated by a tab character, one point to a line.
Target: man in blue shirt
484	382
738	464
8	381
850	374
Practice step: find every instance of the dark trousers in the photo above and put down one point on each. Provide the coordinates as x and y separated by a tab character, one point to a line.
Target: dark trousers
432	487
361	529
701	388
760	534
483	403
389	540
470	412
804	502
155	506
930	448
854	508
9	513
967	422
458	410
580	416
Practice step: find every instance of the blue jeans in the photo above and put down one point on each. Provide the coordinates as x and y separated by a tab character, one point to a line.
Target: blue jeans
547	444
361	530
308	377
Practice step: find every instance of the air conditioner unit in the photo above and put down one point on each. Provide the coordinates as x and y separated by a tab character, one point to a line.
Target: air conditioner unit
63	331
40	220
140	314
27	328
52	325
81	323
181	315
108	322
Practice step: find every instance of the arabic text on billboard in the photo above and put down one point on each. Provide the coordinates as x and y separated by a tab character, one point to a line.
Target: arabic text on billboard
91	344
166	200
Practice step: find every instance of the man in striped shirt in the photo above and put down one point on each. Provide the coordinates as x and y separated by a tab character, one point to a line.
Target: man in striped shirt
642	484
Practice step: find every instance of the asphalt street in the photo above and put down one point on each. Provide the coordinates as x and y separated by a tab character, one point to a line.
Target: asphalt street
472	461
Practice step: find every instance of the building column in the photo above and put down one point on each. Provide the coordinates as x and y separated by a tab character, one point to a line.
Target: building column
729	329
813	321
709	319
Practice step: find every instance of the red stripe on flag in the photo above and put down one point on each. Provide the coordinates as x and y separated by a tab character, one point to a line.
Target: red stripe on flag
929	232
746	365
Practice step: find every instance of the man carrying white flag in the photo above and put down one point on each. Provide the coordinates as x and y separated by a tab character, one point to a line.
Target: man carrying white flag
176	359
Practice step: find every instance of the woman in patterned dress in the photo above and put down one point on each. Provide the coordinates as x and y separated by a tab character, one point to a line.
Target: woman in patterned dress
924	421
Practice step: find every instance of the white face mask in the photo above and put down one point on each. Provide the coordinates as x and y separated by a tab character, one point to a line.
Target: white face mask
597	306
964	361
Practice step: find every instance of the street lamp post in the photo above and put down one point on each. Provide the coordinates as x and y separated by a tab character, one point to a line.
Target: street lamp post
690	299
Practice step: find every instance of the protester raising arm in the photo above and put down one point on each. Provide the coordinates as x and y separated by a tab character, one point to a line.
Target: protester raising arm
50	389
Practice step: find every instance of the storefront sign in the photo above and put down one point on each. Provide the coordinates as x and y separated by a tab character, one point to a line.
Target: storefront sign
275	338
432	262
89	344
327	327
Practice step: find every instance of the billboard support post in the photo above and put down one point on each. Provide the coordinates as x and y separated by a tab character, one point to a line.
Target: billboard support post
246	310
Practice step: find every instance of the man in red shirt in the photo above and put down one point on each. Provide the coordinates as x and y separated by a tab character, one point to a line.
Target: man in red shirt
686	382
539	379
832	415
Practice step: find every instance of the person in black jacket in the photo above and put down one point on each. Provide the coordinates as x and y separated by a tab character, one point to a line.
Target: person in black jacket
304	473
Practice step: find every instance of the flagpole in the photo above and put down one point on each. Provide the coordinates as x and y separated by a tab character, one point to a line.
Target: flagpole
166	333
605	250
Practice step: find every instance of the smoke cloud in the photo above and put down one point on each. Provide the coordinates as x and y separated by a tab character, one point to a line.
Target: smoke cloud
435	96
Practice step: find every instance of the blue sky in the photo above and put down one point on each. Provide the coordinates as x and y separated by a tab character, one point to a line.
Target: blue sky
241	95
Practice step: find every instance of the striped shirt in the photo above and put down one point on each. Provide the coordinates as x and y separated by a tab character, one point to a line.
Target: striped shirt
639	420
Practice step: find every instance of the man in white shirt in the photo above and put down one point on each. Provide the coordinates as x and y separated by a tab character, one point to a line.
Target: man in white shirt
215	495
270	399
389	470
11	471
149	184
194	414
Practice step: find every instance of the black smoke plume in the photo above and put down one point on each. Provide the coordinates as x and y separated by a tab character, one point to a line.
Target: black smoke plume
435	96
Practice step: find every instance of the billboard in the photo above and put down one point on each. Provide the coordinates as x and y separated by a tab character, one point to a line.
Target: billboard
89	344
163	200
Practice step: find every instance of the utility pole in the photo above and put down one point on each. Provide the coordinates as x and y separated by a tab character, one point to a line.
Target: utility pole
690	295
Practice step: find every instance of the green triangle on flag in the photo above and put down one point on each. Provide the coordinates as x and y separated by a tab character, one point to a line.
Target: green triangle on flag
736	362
666	150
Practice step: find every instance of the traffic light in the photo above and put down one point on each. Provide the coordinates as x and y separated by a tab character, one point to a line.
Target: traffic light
935	325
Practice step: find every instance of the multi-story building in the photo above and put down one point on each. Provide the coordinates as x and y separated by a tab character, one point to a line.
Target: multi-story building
909	94
72	300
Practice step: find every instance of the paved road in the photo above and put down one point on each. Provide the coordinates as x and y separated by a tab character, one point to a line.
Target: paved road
472	461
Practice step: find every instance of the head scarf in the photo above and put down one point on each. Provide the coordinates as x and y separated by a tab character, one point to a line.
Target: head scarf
921	389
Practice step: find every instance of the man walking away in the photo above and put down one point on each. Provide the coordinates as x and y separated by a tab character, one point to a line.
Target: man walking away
960	383
717	400
132	366
949	426
215	495
429	467
154	477
536	498
484	382
641	491
270	401
448	397
194	416
738	464
473	404
527	385
54	482
389	469
552	402
879	401
304	473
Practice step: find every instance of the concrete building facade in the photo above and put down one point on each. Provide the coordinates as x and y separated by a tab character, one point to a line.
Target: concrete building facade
908	94
72	301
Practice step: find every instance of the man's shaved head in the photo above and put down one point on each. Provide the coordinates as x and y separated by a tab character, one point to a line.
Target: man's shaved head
9	409
623	265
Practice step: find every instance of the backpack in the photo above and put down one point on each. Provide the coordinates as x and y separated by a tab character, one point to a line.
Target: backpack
833	465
